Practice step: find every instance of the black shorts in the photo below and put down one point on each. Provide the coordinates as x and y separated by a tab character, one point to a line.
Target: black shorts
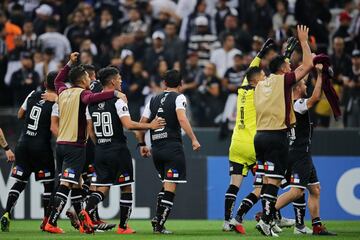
37	158
70	161
259	174
241	169
301	171
113	165
169	161
89	160
271	149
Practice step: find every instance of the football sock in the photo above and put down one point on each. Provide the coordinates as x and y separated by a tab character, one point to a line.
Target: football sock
77	199
159	197
268	202
164	209
125	208
230	198
247	203
59	203
14	194
299	209
277	215
94	199
48	189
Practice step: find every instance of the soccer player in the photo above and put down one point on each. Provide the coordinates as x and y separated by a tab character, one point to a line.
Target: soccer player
167	149
33	151
3	143
113	162
274	117
72	135
242	153
301	173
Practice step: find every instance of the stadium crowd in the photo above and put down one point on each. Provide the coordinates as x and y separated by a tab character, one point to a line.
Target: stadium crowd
211	42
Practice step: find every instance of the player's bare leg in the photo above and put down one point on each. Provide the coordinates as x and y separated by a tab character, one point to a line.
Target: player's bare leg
314	209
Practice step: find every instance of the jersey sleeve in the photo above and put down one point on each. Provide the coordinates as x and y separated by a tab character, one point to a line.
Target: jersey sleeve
24	105
55	110
180	102
88	117
290	79
300	106
122	108
147	112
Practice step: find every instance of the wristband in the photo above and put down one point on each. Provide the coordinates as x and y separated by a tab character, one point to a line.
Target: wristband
6	148
141	145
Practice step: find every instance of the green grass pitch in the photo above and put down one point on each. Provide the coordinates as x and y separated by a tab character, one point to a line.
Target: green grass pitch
183	229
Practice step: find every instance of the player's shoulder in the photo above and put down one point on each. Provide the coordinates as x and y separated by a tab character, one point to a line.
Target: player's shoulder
96	86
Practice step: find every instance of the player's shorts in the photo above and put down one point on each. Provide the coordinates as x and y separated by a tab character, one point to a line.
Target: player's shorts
259	173
113	165
169	161
89	161
271	149
37	158
301	171
242	157
70	161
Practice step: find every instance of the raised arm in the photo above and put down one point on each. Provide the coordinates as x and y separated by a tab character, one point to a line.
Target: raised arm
315	97
307	63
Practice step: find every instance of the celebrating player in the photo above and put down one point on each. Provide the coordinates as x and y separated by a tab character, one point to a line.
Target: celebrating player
274	117
167	150
113	162
72	132
33	151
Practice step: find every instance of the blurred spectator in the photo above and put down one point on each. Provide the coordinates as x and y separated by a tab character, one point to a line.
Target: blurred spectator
29	38
192	70
112	56
222	11
47	64
341	61
127	62
282	20
137	82
173	43
242	38
259	18
11	31
256	44
185	7
24	80
343	31
3	63
353	104
161	5
355	27
88	45
208	104
165	16
160	69
16	14
55	40
234	76
77	30
202	41
43	14
138	45
29	7
157	52
189	26
223	57
135	23
86	57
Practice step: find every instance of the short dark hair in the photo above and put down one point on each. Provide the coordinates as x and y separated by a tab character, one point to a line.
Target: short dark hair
276	63
89	67
225	36
106	74
52	23
50	79
172	78
251	72
76	73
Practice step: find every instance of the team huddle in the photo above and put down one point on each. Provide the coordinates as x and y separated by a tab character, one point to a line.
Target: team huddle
271	138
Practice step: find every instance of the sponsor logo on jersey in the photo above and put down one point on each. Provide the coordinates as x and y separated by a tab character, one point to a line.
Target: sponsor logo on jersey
69	173
172	173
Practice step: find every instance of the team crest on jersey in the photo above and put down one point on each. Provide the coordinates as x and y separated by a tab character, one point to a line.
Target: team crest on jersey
69	173
91	168
101	106
41	102
295	178
172	173
125	108
269	166
124	178
17	171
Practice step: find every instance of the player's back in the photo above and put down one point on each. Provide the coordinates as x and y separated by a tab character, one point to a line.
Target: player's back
164	106
37	119
245	126
107	124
